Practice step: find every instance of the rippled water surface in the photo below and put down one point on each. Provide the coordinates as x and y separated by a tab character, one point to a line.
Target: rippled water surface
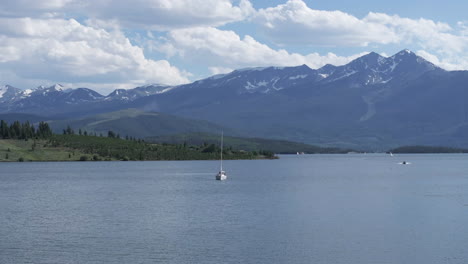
298	209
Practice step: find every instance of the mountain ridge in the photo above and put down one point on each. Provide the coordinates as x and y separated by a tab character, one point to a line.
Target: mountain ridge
371	102
151	89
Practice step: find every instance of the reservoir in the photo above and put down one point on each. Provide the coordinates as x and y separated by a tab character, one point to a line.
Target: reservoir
353	208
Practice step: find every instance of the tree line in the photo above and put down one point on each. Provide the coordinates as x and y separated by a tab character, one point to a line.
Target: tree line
117	148
112	146
26	130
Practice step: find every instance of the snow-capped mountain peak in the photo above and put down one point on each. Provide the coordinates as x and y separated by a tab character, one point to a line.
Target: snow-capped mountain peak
9	93
3	90
373	68
56	87
366	71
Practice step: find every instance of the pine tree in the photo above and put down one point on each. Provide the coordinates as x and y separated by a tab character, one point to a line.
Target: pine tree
111	134
4	130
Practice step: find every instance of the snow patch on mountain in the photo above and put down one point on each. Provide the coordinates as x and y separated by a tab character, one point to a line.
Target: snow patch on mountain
394	65
323	75
28	92
303	76
3	90
254	86
57	87
165	90
263	86
345	74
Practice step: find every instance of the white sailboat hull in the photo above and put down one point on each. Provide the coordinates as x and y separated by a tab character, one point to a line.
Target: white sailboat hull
221	176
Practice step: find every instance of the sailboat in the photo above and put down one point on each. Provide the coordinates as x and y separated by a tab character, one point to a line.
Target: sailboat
221	176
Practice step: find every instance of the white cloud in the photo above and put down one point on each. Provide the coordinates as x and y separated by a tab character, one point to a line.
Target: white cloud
423	32
295	23
137	14
217	48
38	44
149	14
168	14
438	42
20	8
447	63
463	25
66	51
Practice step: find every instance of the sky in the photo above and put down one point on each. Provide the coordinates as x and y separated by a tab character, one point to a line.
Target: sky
110	44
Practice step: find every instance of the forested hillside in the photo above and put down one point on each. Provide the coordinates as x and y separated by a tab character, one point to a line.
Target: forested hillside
24	142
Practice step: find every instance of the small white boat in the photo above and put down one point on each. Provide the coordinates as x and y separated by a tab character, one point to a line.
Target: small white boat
221	176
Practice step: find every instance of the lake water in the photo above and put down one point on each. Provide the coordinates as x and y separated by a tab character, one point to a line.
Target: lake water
298	209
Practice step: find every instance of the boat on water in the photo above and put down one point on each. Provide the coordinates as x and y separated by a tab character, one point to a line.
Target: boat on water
221	176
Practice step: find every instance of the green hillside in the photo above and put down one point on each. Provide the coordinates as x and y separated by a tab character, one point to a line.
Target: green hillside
38	150
83	148
136	123
25	142
248	144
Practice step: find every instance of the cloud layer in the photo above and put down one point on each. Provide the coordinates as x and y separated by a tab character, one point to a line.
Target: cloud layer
67	51
88	41
295	23
165	15
220	48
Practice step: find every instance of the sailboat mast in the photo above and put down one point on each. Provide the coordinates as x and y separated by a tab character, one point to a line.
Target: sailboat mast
222	135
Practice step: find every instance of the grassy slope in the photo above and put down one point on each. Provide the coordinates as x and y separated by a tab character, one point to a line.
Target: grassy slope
74	147
42	152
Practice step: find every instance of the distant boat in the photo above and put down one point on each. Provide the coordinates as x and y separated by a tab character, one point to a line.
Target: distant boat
221	176
391	154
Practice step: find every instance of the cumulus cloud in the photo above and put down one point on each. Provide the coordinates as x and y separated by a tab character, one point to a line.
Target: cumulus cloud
447	63
19	8
225	49
37	43
149	14
67	51
295	23
438	42
426	33
164	14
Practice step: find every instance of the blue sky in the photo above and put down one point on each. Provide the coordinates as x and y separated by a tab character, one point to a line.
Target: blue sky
105	45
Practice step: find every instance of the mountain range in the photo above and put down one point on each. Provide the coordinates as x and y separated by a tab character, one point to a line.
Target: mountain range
373	102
